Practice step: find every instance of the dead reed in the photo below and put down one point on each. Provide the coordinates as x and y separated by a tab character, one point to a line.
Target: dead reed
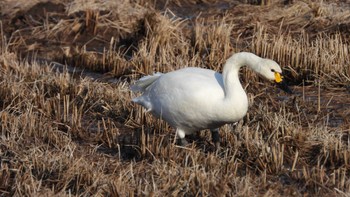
71	133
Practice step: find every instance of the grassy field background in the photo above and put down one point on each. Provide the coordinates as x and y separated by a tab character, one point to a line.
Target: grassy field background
68	127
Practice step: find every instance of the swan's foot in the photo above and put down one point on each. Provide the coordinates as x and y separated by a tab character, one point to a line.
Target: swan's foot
182	142
215	136
180	135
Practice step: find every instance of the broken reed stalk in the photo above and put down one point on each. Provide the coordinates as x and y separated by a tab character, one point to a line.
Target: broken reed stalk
319	96
295	159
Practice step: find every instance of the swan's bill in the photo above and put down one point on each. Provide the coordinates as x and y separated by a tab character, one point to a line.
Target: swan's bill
278	77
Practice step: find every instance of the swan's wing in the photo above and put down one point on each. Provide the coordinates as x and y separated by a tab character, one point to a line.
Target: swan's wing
190	89
187	98
181	90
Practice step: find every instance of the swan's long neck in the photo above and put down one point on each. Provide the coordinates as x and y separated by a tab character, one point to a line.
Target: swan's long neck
233	88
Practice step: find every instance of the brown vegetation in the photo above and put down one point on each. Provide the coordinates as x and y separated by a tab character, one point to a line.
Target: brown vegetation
68	126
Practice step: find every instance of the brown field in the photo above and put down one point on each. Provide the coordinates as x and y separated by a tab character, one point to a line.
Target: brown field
68	127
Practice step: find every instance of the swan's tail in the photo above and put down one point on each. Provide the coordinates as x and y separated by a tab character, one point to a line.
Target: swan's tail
142	84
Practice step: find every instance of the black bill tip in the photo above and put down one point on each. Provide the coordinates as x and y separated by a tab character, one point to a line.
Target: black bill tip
282	85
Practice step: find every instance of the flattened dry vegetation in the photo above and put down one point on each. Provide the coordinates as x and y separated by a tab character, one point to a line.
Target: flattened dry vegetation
68	126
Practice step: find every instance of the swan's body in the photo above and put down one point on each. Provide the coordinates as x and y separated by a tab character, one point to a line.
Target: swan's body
193	99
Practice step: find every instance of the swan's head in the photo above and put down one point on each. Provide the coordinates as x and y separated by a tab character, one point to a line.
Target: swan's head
272	71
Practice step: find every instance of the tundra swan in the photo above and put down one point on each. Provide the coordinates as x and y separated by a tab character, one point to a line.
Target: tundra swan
193	99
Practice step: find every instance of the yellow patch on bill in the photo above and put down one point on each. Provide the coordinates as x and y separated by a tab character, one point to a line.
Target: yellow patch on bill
278	77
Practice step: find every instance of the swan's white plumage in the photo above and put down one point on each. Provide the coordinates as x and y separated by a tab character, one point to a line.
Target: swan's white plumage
192	99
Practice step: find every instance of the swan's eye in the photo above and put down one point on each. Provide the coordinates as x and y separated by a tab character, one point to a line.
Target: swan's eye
273	70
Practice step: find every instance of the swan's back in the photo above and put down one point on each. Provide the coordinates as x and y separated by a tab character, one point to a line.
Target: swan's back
197	79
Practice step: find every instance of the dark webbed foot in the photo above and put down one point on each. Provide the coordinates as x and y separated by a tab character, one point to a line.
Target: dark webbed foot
180	137
215	137
181	142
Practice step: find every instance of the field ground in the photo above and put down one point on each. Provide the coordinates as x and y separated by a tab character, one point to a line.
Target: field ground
68	127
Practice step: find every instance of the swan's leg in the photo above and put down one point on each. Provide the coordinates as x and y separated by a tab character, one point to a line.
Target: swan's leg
215	136
180	135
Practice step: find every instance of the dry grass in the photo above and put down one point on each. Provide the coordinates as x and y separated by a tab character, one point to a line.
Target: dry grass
68	126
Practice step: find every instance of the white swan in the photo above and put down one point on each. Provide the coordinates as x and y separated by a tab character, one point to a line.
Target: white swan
193	99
